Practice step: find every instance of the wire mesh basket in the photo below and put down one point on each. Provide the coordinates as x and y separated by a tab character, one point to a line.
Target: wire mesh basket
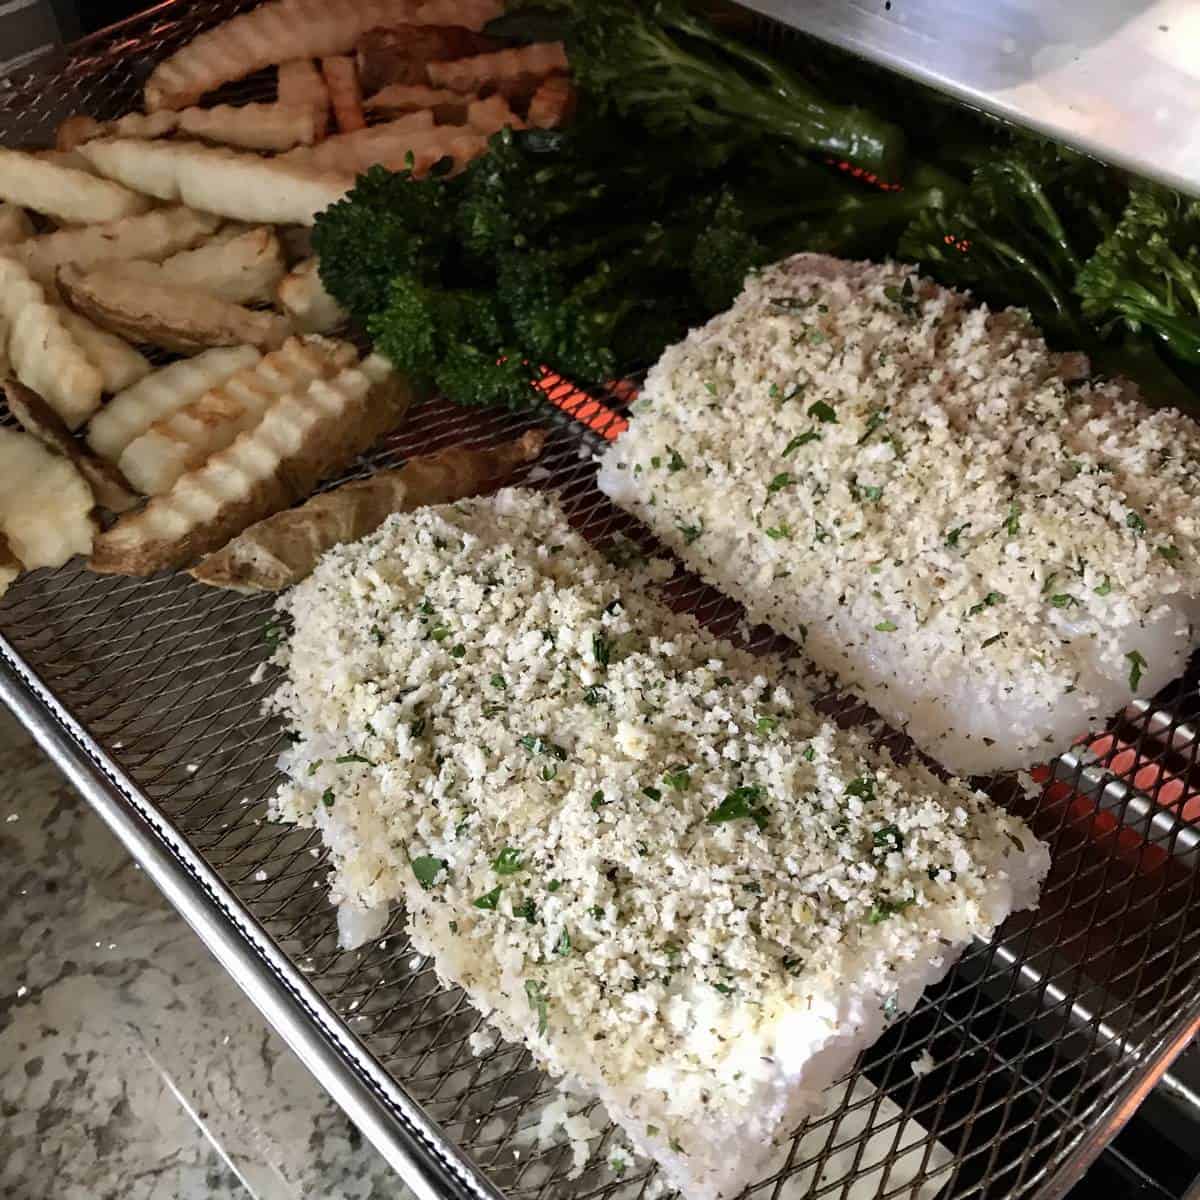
1032	1052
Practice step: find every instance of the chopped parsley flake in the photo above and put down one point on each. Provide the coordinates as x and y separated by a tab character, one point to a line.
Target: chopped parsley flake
1170	553
883	909
1134	522
601	650
536	992
508	861
677	778
691	533
652	792
886	627
801	439
327	797
489	902
1012	522
497	681
538	745
563	946
767	724
779	483
742	804
989	601
1137	665
1105	587
874	421
353	758
776	532
1064	600
822	412
675	463
954	534
427	869
888	838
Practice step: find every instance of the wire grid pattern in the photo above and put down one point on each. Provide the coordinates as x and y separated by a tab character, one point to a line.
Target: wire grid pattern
1035	1039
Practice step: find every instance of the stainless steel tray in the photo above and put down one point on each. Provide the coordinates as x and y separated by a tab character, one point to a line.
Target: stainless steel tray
1043	1042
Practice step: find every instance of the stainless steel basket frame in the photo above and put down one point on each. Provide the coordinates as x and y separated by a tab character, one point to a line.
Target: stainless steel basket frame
1046	1039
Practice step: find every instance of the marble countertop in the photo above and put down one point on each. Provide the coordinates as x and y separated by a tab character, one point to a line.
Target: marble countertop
130	1064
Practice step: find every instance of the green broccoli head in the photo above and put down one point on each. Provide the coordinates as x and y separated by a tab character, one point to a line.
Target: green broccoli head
1146	273
389	223
485	379
726	251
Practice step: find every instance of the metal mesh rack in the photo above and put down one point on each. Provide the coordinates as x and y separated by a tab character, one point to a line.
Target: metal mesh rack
1042	1042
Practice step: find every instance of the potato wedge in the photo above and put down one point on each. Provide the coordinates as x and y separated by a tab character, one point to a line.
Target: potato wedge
283	549
15	225
311	308
553	104
74	131
271	33
45	504
243	269
192	434
345	92
300	83
175	318
254	126
400	55
63	192
153	235
129	414
10	565
245	187
502	70
36	417
470	14
119	364
301	440
42	353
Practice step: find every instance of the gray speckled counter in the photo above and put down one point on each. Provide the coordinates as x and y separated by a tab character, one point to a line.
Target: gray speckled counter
130	1065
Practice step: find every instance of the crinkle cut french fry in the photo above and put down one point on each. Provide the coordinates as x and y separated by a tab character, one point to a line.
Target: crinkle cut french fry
245	187
192	434
153	235
344	153
129	414
271	33
119	364
470	14
10	566
300	82
303	297
243	269
45	504
74	131
283	549
492	115
445	106
397	146
401	54
553	104
499	68
15	225
37	418
42	353
301	440
345	93
253	126
63	192
175	318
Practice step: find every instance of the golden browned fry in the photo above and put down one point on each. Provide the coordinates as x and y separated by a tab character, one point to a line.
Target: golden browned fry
153	235
119	364
553	104
45	504
254	126
300	83
74	131
301	440
447	107
502	70
471	14
271	33
246	187
63	192
345	153
175	318
192	434
71	159
492	115
243	269
10	565
129	414
42	353
284	549
36	417
401	54
398	145
303	297
345	92
15	225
